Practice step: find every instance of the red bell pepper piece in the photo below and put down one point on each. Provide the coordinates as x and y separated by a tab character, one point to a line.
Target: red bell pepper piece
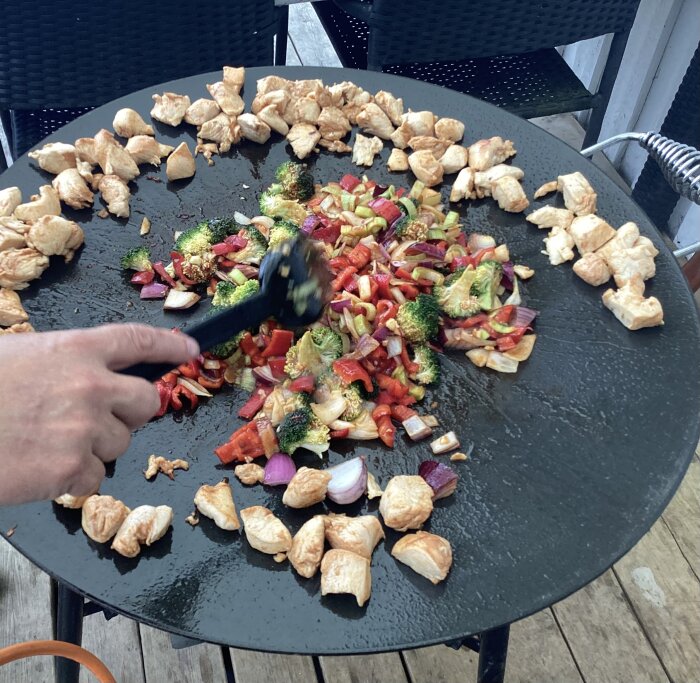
407	400
160	269
178	393
164	392
381	410
252	406
221	248
351	371
209	383
277	366
343	277
460	262
251	349
503	314
387	431
349	182
360	256
338	263
401	413
384	398
329	233
176	256
191	369
474	321
393	386
385	310
479	256
403	274
411	367
510	341
340	433
279	344
305	384
386	209
382	280
409	291
244	445
143	277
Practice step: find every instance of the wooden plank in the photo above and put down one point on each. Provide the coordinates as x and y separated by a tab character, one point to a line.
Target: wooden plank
25	614
310	40
605	637
382	668
163	664
441	664
264	667
116	642
665	595
683	514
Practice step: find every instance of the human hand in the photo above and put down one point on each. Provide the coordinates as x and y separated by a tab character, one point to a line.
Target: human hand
65	411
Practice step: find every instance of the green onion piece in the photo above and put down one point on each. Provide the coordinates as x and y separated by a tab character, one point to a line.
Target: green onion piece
365	199
370	309
400	374
422	273
389	192
451	219
359	189
364	212
410	207
436	234
347	200
237	276
377	223
417	190
361	325
333	189
417	391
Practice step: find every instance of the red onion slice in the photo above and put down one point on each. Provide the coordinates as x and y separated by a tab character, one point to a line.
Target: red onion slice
348	481
441	478
154	290
279	470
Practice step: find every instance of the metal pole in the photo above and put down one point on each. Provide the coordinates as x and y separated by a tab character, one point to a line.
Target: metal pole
492	655
68	627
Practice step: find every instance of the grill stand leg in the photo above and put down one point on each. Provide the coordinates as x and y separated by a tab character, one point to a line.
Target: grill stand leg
67	623
492	655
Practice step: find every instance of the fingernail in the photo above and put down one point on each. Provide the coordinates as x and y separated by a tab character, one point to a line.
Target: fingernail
192	346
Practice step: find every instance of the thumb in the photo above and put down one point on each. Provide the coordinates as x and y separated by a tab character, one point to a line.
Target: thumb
128	344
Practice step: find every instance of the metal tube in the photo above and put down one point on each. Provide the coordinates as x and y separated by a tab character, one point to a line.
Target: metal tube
690	249
492	655
68	627
611	141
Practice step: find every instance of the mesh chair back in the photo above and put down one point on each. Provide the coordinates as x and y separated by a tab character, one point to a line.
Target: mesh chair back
63	54
453	30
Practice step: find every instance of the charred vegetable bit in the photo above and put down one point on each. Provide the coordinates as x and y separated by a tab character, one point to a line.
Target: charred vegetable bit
300	429
295	180
428	365
138	258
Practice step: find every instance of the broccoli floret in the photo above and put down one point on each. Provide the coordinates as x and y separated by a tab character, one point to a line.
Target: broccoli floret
281	231
299	429
411	229
227	348
276	205
138	258
221	228
418	319
454	296
352	395
304	357
364	394
196	240
296	181
488	277
225	296
429	365
328	343
254	251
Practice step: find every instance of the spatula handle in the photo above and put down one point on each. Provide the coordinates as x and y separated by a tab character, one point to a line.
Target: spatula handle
213	330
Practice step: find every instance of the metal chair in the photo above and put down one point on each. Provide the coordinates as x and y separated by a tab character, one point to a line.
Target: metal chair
60	58
502	51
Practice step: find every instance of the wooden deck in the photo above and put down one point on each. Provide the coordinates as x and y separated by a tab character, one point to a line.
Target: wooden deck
638	623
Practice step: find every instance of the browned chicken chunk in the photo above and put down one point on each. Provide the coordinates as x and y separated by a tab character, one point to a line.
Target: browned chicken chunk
128	123
11	309
10	199
144	525
449	129
427	554
201	111
628	263
216	502
113	158
551	217
631	308
578	194
307	487
303	137
221	129
145	149
234	76
170	108
180	163
254	129
227	97
559	246
307	547
115	193
72	189
484	154
420	122
593	269
333	124
302	110
483	180
345	572
590	232
18	267
46	203
271	116
509	194
336	146
360	535
18	328
157	463
463	186
407	502
398	160
390	105
250	473
454	159
426	167
11	239
264	531
371	119
365	149
102	516
71	502
55	236
428	142
54	157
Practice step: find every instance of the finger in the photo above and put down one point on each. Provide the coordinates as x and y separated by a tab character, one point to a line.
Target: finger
134	401
112	439
128	344
88	479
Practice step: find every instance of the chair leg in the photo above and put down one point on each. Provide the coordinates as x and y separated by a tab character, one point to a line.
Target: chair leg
493	651
282	34
67	623
6	125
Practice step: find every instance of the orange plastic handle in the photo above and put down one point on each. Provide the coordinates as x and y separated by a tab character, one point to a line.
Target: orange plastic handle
57	648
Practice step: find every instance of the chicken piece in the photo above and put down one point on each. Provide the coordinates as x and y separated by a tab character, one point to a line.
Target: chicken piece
307	87
336	146
115	192
373	488
234	76
19	328
11	239
207	150
407	502
113	158
303	137
216	502
345	572
401	136
250	473
390	105
484	179
484	154
147	150
454	159
252	128
427	554
85	171
54	157
144	525
46	203
222	130
354	106
302	110
264	531
590	232
180	163
10	199
306	488
371	119
426	167
365	149
307	547
333	124
449	129
551	217
627	236
270	116
72	502
201	111
72	189
270	83
463	186
102	516
579	196
157	463
278	98
545	189
20	266
631	308
398	160
359	535
342	93
170	108
509	194
420	122
427	142
559	246
11	310
55	236
86	150
227	97
648	245
15	224
628	263
593	269
128	123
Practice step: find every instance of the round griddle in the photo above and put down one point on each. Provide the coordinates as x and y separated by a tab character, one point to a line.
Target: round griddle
574	457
